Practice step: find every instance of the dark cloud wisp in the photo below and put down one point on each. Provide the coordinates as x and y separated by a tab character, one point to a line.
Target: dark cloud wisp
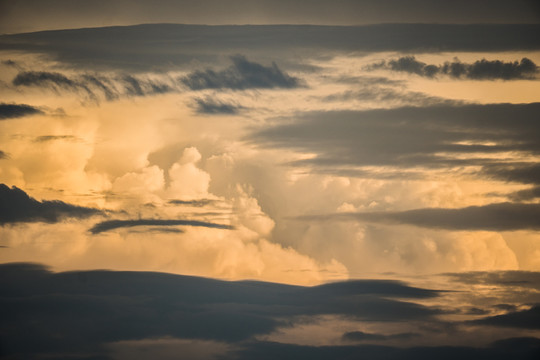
11	111
17	206
116	224
479	70
243	74
94	86
209	106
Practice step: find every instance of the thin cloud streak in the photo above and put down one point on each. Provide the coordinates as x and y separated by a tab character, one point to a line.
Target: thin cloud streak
116	224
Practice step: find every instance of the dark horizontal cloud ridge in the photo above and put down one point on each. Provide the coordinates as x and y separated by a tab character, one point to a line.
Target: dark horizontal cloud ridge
11	111
494	217
116	224
479	70
17	206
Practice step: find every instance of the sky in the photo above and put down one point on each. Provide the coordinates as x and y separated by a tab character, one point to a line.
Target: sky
261	179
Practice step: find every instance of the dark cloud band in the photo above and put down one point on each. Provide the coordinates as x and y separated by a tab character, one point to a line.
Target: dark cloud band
17	206
479	70
495	217
116	224
11	111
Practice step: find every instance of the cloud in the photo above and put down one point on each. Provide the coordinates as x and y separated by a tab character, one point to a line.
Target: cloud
521	172
173	46
525	348
43	79
527	194
494	217
17	206
47	138
117	306
479	70
196	203
363	336
116	224
3	155
409	138
243	74
381	94
528	319
214	107
11	111
110	87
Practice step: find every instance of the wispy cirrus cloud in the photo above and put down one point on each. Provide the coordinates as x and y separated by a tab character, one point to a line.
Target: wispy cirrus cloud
243	74
109	87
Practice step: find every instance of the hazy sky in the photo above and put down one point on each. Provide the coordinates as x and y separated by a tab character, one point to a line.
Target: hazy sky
184	158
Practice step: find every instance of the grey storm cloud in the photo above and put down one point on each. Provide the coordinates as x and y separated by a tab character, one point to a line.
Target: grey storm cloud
243	74
11	111
94	86
115	306
16	206
116	224
174	46
216	107
479	70
494	217
411	137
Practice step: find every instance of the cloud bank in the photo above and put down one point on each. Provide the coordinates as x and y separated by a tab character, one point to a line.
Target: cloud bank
17	206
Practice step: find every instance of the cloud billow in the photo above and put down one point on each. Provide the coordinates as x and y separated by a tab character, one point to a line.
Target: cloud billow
479	70
12	111
16	206
243	74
